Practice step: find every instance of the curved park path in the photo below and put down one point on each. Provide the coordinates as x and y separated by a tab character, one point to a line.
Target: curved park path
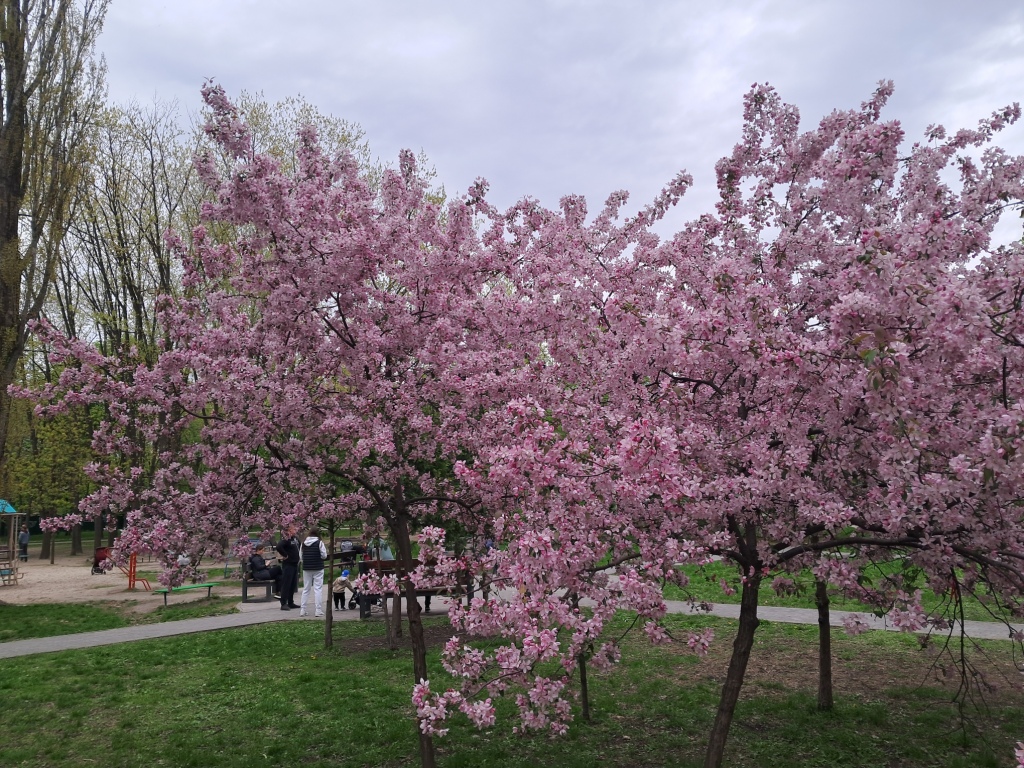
260	613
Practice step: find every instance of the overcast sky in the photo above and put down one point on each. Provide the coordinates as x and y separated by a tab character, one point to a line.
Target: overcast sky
549	97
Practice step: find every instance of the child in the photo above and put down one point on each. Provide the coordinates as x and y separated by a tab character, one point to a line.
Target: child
338	588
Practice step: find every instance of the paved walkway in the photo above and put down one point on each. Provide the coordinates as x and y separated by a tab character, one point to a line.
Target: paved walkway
262	613
979	630
249	613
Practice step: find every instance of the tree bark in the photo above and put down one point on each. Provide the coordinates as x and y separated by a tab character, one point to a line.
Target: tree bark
329	621
396	617
44	550
400	529
741	648
389	629
76	540
584	690
49	94
825	700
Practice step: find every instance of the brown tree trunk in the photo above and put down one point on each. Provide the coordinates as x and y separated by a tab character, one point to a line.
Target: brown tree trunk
97	533
44	550
741	648
399	524
396	617
825	701
584	690
12	192
45	47
76	540
419	665
329	620
389	630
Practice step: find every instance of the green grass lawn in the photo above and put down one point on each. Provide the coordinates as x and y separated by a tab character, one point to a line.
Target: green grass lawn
705	586
270	695
22	622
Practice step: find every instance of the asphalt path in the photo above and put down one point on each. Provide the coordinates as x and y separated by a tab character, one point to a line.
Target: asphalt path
262	613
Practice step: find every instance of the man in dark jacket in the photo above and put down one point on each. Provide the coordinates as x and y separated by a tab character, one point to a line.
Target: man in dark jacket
288	554
260	571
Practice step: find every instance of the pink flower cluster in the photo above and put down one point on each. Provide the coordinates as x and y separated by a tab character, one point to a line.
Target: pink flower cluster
60	523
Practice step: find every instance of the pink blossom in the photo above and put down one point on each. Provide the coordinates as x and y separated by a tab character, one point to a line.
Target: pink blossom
854	624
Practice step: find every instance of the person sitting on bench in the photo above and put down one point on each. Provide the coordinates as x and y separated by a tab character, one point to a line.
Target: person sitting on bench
262	572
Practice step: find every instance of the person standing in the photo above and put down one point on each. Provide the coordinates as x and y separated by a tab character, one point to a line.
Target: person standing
288	555
23	538
314	554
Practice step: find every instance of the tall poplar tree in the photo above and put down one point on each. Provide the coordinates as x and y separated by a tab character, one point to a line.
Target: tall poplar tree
50	84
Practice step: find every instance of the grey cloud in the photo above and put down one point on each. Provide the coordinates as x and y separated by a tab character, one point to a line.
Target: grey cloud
565	96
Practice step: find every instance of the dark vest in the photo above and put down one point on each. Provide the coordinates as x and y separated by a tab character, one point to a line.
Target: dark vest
312	560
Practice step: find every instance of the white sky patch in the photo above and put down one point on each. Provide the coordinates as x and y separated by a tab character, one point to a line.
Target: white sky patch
559	97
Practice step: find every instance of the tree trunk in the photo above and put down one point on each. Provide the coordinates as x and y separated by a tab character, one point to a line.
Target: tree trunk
399	525
48	94
737	670
419	664
584	691
12	193
389	629
97	533
396	618
329	621
44	550
76	540
825	701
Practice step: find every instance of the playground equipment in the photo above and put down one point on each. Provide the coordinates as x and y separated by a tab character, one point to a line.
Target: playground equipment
103	553
9	518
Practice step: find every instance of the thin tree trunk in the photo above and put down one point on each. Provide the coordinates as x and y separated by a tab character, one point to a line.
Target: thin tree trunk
329	622
419	665
584	691
825	700
396	618
97	532
76	540
737	670
392	643
403	541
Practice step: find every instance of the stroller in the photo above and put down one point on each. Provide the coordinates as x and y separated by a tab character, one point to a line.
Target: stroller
102	553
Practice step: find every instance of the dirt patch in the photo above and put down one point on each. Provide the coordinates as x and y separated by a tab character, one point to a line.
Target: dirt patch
436	632
781	668
70	580
863	671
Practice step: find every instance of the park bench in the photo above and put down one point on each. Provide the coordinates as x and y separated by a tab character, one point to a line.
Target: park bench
248	582
401	568
208	586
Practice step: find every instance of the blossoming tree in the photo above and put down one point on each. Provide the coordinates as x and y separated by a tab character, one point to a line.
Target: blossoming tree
822	372
816	376
330	358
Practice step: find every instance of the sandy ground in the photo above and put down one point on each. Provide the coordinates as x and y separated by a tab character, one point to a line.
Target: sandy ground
69	580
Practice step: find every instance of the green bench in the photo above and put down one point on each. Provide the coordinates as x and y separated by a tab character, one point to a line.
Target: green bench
208	586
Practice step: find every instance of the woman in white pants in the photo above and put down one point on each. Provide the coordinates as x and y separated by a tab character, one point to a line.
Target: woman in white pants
314	555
